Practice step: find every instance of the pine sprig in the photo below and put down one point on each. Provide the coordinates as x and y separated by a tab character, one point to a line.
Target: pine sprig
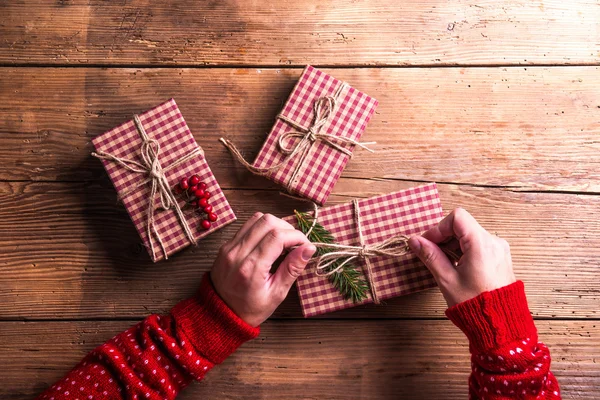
348	281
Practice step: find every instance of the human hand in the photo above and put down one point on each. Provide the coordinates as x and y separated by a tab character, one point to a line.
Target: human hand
241	273
485	264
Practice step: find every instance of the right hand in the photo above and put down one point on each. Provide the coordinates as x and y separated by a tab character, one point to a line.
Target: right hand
241	273
484	266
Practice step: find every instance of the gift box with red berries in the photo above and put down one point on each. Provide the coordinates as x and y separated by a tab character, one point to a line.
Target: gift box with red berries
380	219
163	179
314	135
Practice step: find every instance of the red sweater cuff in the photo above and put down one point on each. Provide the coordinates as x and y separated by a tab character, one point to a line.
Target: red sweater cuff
494	318
212	327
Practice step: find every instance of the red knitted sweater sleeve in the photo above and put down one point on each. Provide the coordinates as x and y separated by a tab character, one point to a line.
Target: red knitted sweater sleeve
506	358
159	356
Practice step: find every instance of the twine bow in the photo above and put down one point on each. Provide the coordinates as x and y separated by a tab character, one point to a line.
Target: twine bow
324	108
151	166
395	246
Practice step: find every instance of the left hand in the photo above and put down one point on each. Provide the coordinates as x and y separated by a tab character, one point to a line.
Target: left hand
241	273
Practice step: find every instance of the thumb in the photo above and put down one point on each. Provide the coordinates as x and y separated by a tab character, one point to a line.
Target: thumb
433	257
292	267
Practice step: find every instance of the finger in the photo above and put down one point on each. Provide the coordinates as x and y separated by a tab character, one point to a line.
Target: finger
244	229
434	259
272	245
459	224
257	232
291	268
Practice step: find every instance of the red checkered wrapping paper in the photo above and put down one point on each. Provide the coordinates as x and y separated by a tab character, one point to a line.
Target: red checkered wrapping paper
323	164
408	212
166	125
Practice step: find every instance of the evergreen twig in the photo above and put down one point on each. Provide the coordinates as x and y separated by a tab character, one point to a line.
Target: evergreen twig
349	281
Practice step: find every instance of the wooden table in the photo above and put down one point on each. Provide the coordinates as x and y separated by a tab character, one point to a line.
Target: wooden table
497	101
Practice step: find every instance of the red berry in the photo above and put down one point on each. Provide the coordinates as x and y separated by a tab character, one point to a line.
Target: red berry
208	209
199	193
194	180
183	184
205	224
212	217
202	202
206	194
193	188
202	186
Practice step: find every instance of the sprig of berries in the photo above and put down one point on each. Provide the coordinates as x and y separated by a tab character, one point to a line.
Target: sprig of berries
197	196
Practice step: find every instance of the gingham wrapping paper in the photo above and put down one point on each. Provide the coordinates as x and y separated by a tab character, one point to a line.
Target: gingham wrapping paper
324	164
166	125
408	212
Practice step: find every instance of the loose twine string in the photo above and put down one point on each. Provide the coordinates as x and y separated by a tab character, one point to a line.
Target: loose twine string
150	165
395	246
324	108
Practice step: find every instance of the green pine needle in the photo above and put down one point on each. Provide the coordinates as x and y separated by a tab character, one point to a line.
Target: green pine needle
349	281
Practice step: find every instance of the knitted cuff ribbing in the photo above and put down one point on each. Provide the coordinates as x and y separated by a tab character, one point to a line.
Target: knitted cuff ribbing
212	327
494	318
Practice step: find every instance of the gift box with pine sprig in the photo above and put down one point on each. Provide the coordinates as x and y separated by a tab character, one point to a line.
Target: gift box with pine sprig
362	255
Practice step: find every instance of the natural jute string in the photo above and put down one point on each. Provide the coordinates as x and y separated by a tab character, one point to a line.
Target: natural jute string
149	151
395	246
324	108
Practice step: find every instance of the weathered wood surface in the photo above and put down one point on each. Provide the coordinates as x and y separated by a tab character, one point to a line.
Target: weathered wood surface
512	137
347	32
63	244
527	128
307	359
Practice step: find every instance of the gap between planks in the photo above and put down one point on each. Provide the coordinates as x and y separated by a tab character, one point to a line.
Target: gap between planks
514	189
291	66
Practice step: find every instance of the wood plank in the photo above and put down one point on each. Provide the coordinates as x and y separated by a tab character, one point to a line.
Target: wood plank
527	128
69	251
245	32
312	359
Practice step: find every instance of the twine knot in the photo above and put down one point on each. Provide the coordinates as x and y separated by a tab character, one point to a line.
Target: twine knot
363	252
156	172
149	151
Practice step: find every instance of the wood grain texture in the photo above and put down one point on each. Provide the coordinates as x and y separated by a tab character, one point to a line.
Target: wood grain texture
513	137
307	359
64	245
347	32
524	128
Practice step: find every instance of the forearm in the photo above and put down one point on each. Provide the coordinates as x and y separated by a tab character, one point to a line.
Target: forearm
506	358
159	356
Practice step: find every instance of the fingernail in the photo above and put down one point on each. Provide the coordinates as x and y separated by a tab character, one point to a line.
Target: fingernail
308	252
414	245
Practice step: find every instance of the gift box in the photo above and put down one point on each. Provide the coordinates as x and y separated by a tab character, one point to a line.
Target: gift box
380	220
314	136
145	159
